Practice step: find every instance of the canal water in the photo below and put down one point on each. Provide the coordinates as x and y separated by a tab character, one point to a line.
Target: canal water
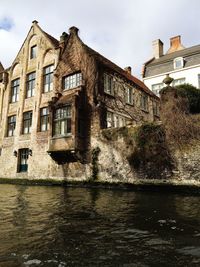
56	226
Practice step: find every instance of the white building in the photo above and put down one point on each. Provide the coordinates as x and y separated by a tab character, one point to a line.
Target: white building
182	64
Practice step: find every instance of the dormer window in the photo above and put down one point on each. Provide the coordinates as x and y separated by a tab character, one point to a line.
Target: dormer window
33	52
178	63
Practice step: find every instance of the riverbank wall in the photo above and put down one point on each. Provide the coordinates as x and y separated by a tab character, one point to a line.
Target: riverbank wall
134	156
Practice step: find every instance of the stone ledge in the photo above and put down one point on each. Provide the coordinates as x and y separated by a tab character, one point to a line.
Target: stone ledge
185	187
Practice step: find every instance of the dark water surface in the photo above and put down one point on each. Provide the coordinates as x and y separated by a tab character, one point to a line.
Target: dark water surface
55	226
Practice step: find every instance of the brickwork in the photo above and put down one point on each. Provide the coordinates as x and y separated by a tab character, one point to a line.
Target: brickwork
69	156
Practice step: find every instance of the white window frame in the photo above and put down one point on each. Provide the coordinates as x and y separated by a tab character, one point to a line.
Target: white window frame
155	88
179	81
178	60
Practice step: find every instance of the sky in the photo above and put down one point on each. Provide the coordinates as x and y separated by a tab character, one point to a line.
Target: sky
121	30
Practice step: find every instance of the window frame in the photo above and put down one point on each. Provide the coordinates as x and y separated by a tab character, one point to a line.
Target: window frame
33	52
11	125
129	95
48	78
44	119
30	84
27	121
156	88
15	90
23	158
156	109
144	102
62	119
109	84
72	81
178	81
177	60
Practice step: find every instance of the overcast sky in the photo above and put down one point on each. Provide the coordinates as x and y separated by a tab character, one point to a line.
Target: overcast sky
121	30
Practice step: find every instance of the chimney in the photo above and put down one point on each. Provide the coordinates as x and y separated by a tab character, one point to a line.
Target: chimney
175	44
63	37
128	69
157	48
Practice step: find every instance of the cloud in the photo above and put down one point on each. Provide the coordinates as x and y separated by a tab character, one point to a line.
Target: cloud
122	31
6	24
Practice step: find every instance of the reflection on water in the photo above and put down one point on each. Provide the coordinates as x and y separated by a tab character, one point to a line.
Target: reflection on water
55	226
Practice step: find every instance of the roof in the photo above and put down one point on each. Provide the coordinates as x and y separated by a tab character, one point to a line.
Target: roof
122	72
181	53
53	40
191	57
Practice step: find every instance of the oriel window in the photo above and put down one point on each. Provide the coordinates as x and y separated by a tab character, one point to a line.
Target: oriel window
27	122
62	121
30	85
44	119
48	78
15	90
11	125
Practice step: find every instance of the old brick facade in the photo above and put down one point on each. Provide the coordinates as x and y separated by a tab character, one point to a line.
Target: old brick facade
55	97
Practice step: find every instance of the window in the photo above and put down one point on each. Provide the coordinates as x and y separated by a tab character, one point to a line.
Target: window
178	81
62	121
108	84
30	85
11	125
155	108
178	63
23	160
109	119
72	81
15	90
33	52
48	78
114	120
44	119
129	95
156	88
27	122
144	102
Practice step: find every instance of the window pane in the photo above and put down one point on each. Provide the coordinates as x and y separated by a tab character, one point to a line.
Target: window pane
62	121
72	81
48	78
15	90
44	119
30	86
33	51
27	122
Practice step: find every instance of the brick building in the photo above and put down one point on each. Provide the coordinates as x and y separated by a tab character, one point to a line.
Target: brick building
56	96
